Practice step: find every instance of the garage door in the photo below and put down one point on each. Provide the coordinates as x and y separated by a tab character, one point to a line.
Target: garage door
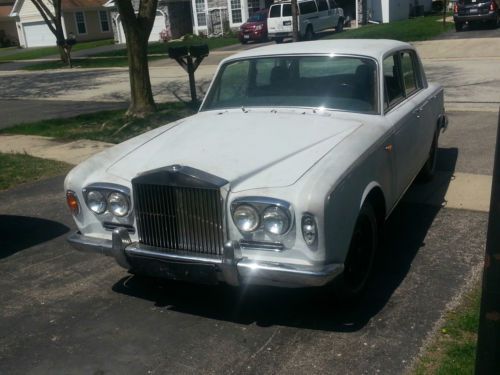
158	26
38	35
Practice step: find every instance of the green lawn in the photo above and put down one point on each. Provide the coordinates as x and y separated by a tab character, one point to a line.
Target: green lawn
411	30
19	168
106	126
453	351
36	53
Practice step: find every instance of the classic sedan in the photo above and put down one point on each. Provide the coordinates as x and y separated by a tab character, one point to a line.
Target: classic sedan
284	177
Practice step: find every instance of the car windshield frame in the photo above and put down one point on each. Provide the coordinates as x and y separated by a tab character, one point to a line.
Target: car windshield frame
212	91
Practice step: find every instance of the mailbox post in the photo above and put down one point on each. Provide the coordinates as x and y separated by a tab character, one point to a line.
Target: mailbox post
189	58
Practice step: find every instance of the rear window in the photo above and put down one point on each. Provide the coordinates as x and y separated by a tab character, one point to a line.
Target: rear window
322	5
275	11
287	10
307	7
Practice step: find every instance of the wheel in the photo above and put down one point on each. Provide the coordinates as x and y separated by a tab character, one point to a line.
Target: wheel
340	26
244	42
278	40
459	26
309	33
359	262
429	168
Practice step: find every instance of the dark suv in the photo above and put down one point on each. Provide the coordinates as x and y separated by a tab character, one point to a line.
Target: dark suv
472	11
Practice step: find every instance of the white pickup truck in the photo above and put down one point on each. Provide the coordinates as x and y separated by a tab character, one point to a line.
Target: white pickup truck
313	15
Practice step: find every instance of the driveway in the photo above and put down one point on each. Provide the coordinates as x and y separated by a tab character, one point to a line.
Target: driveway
72	313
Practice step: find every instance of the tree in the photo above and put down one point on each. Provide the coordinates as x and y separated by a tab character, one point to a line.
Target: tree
295	23
137	28
53	20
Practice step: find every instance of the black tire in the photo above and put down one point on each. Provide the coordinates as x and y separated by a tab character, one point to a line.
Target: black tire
309	35
459	26
340	26
244	42
278	40
358	266
429	169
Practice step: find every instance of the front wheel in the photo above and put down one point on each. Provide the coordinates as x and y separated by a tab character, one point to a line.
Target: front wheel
309	34
360	259
340	26
278	40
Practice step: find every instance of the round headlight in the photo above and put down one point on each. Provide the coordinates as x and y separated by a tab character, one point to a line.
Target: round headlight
96	201
276	220
246	218
118	204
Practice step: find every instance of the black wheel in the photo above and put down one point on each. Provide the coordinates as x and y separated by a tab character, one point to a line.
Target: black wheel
278	40
309	33
340	26
459	26
429	169
359	262
244	42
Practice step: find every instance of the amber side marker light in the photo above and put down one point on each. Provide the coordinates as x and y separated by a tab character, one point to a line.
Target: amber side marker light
72	201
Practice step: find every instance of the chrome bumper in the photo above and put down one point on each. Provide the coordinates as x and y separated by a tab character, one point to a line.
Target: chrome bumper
229	269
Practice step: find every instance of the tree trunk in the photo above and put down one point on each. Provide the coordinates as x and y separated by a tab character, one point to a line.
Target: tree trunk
295	23
142	102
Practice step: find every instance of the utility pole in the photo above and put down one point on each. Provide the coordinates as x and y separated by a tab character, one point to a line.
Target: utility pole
295	24
488	344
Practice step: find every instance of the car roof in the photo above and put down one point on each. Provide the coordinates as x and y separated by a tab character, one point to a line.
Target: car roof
375	48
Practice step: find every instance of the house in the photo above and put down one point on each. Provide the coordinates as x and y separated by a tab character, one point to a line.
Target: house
86	19
236	12
172	16
8	32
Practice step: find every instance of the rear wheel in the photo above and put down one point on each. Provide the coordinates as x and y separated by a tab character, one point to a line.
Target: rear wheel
309	33
360	259
459	26
278	40
429	168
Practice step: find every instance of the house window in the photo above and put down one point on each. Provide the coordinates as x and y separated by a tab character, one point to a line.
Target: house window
80	23
103	18
236	11
201	13
253	6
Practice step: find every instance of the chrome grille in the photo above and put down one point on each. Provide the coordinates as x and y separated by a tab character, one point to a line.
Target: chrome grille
179	218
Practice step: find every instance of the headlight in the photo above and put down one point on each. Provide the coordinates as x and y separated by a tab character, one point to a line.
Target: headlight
246	218
118	204
96	201
309	229
275	220
259	27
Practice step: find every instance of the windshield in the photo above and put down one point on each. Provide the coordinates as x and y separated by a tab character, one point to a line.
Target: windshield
342	83
257	17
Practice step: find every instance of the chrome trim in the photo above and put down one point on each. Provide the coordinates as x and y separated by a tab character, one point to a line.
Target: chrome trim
261	245
109	226
233	271
107	189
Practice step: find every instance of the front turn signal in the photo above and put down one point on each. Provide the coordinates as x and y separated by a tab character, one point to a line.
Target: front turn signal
72	201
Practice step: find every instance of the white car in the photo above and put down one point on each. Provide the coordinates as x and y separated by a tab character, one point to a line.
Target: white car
313	16
285	176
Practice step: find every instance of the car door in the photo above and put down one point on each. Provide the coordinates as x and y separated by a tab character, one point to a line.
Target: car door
402	114
324	17
334	13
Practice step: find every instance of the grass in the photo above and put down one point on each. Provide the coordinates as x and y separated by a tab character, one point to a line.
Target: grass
106	126
411	30
118	58
19	168
453	351
36	53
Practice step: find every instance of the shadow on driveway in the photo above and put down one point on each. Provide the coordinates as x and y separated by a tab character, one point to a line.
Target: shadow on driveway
406	231
21	232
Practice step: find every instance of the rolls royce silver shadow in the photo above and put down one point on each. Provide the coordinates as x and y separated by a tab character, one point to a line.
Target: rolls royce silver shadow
284	177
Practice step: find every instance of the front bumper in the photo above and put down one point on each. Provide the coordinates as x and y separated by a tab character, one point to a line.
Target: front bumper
284	34
198	268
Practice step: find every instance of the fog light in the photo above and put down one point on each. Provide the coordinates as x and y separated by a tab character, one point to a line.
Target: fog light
309	229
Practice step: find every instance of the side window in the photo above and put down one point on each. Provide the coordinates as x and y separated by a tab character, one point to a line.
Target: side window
308	7
409	74
394	91
322	5
275	11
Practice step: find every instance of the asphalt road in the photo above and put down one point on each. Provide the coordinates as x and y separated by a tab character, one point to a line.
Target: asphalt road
472	31
72	313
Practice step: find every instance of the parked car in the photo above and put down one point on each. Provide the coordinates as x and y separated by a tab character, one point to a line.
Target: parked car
255	28
285	177
313	16
476	11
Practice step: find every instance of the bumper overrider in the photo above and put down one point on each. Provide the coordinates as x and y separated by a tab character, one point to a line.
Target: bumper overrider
209	270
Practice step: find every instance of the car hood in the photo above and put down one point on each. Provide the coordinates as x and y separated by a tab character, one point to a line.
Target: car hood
250	149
